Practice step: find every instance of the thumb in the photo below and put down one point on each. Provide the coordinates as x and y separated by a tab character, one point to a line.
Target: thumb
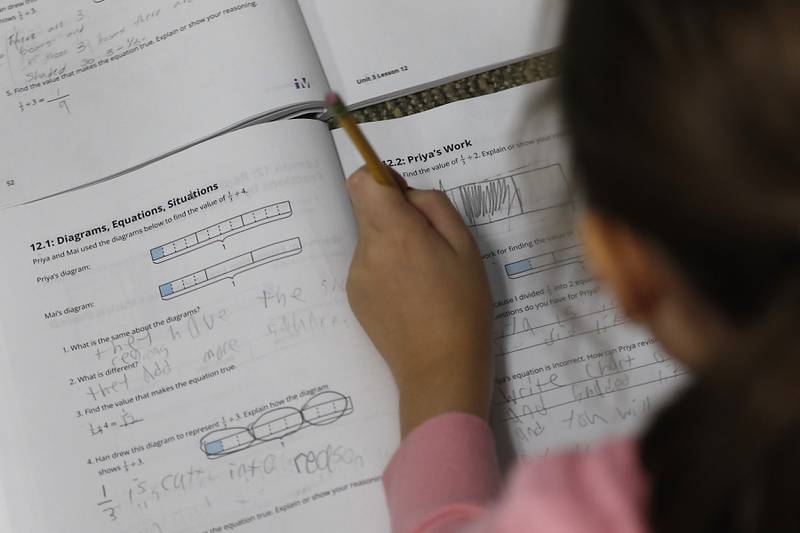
377	207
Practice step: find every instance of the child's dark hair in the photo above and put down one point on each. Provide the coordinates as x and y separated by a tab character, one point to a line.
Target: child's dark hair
685	116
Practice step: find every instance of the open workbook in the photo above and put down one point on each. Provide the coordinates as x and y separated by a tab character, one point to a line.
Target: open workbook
93	88
180	356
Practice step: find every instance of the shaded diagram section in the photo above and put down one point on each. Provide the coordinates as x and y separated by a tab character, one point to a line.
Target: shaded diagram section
545	262
521	193
321	410
231	268
221	231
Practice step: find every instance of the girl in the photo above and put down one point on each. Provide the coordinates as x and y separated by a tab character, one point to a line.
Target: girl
685	116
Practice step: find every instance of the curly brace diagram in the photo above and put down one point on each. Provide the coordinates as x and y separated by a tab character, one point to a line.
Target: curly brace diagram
230	268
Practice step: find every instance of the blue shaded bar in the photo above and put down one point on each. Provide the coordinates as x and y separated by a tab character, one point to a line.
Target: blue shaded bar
544	262
165	289
519	267
214	448
157	253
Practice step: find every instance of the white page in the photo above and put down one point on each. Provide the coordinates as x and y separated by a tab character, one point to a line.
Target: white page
161	75
242	289
371	49
570	369
5	435
5	519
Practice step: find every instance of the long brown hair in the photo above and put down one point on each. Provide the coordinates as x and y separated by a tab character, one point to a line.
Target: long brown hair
686	122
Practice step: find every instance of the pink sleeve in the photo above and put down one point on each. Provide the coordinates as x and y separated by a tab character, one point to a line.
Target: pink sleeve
443	475
444	479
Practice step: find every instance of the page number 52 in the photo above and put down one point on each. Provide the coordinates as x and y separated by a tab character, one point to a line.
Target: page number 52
10	183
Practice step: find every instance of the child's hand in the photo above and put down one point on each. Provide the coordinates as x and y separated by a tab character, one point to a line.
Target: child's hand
418	287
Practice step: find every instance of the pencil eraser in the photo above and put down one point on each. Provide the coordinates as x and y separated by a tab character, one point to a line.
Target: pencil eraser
332	99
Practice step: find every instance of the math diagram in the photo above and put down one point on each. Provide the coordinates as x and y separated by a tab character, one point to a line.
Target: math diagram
520	193
231	268
221	231
321	410
545	262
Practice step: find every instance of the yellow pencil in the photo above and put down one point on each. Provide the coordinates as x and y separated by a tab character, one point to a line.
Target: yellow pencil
379	171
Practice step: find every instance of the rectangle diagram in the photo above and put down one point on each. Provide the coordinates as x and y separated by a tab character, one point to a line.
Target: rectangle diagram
544	262
221	231
521	193
230	268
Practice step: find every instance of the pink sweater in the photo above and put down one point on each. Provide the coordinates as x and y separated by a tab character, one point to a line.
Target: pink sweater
445	479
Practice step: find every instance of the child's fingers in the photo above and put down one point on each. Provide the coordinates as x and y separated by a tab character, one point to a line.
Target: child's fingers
444	218
401	181
377	207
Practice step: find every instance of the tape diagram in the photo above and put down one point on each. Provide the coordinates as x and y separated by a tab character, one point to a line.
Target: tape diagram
321	410
218	233
523	192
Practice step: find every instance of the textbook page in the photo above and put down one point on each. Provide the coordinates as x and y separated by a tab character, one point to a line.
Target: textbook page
400	46
5	519
90	88
571	368
184	358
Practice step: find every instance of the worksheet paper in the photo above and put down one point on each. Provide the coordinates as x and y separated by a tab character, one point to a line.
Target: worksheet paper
181	355
399	46
5	518
91	88
571	367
